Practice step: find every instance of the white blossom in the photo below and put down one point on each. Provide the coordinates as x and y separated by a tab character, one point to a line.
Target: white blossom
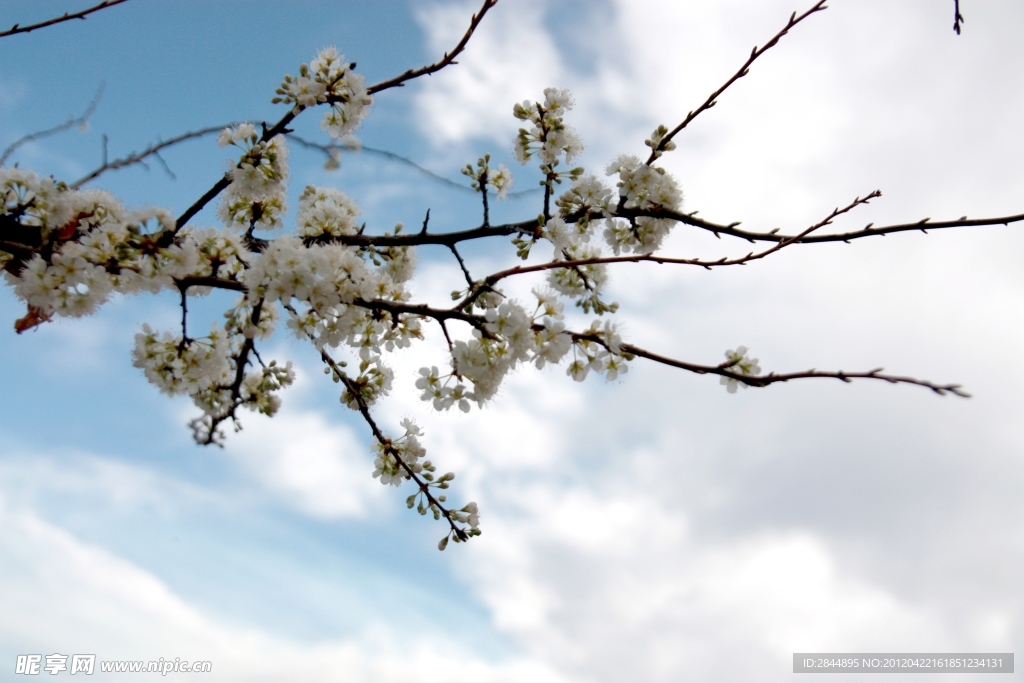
741	363
326	211
641	186
549	137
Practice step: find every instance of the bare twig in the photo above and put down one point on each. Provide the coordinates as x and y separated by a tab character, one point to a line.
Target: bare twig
138	157
957	17
754	54
449	57
923	225
462	264
494	278
70	123
349	146
772	378
56	20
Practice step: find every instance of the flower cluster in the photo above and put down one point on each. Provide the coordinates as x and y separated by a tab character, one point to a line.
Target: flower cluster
740	363
255	199
329	79
468	514
326	211
599	348
206	369
549	137
508	336
587	197
646	187
397	459
657	144
482	176
183	366
80	246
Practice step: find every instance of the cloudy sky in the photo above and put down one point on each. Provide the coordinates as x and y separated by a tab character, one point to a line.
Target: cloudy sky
654	528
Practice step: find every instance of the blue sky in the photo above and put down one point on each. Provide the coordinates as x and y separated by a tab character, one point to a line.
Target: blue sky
654	528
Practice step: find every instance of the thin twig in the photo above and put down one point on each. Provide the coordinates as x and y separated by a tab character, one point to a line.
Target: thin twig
56	20
449	57
70	123
724	370
754	54
957	17
923	225
576	264
138	157
462	264
364	410
357	147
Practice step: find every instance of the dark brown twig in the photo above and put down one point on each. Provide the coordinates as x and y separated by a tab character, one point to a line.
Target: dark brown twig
958	18
494	278
137	158
56	20
449	57
364	410
772	378
923	225
754	54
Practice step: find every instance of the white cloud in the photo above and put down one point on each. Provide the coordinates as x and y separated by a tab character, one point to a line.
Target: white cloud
305	460
475	99
63	595
673	532
660	529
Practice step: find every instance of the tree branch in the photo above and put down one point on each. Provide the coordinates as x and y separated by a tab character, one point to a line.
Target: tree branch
754	54
772	378
494	278
281	126
923	225
56	20
724	370
137	158
70	123
364	410
449	57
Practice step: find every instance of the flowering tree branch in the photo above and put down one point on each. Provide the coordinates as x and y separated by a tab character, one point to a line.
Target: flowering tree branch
404	462
282	125
731	371
66	250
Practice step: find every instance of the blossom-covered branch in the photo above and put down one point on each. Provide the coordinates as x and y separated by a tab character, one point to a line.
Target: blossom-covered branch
347	289
337	84
399	459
